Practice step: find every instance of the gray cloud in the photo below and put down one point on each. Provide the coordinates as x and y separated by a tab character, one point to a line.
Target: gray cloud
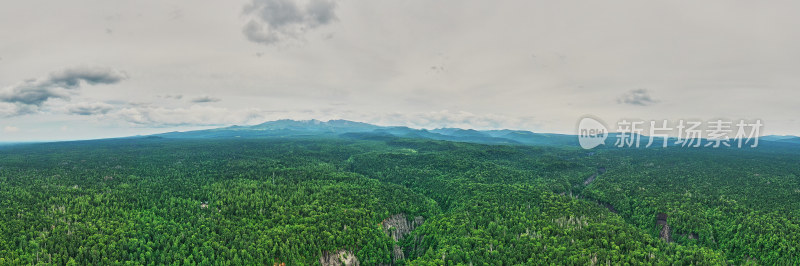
206	99
273	21
32	92
637	97
27	96
171	96
89	108
71	77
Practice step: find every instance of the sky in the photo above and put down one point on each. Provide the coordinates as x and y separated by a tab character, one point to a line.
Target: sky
95	69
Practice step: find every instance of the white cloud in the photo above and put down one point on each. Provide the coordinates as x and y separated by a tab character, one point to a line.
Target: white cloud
10	129
195	115
13	109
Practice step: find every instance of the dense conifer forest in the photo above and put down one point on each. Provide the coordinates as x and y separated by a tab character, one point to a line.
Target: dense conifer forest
393	201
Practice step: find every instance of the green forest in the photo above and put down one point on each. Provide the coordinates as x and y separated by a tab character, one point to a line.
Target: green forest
393	201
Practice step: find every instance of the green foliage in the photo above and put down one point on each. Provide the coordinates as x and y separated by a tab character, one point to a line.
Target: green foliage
743	203
273	200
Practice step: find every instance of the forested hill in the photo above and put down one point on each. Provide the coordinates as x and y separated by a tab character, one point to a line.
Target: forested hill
397	201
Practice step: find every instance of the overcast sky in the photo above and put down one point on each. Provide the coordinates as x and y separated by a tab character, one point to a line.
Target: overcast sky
90	69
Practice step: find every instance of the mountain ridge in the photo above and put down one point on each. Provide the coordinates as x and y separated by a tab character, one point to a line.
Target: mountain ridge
286	128
354	129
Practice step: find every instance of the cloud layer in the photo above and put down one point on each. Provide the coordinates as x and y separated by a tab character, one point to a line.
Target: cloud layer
196	115
538	65
273	21
28	96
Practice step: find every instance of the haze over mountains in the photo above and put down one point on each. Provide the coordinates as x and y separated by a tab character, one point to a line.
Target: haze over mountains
359	130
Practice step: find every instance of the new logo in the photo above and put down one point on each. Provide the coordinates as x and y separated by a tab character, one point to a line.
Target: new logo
591	133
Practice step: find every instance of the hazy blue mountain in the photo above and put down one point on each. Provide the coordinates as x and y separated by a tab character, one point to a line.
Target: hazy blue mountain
792	140
786	139
358	130
776	137
530	138
457	132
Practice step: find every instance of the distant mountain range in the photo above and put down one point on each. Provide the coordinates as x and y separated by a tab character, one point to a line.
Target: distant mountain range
784	139
358	130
